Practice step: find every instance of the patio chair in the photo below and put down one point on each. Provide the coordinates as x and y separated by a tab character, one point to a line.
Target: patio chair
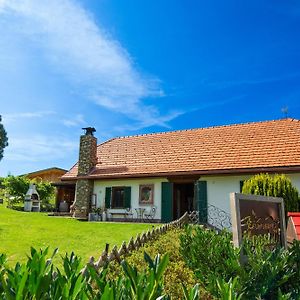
150	215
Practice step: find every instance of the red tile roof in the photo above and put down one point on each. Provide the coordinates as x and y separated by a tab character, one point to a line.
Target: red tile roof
296	222
250	147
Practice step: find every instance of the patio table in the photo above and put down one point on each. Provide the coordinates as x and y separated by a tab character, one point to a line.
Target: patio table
140	213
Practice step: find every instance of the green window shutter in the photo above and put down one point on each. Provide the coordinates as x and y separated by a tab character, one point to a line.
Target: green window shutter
201	200
127	197
241	185
108	197
166	202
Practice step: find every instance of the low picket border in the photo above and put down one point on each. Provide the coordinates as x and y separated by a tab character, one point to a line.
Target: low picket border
134	244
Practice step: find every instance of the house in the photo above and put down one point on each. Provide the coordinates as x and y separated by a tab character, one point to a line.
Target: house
181	170
64	190
50	174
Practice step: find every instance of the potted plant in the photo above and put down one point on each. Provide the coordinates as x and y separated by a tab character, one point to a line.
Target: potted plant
104	214
95	215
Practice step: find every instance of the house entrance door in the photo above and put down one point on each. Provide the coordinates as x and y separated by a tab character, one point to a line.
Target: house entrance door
183	199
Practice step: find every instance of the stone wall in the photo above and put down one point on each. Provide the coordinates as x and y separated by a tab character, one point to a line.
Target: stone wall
84	190
84	187
87	154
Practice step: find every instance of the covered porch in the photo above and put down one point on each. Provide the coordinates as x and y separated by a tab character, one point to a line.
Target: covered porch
65	196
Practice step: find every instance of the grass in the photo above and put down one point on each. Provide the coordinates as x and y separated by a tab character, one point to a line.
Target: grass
21	230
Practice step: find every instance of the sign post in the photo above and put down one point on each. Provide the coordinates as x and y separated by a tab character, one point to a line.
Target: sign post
257	215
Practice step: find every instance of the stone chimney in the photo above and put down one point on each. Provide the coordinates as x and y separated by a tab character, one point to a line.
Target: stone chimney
87	160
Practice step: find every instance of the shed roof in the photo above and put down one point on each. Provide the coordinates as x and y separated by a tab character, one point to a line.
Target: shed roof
52	169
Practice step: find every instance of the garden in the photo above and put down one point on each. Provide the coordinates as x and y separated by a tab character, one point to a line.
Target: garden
183	262
21	230
197	263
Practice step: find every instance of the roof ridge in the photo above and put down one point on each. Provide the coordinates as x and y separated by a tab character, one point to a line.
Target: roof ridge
200	128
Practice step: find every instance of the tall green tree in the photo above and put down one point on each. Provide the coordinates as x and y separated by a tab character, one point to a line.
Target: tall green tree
3	139
277	185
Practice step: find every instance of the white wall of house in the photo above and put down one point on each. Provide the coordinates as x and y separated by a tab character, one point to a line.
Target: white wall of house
218	190
295	178
99	190
220	187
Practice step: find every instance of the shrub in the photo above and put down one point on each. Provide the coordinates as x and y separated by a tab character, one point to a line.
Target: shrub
17	186
277	185
39	279
267	274
176	272
211	255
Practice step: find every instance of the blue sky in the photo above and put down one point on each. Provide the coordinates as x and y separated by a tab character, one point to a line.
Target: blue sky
130	67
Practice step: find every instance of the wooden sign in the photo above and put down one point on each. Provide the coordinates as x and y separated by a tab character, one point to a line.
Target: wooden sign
257	215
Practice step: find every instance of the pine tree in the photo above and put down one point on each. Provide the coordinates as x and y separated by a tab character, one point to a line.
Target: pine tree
3	139
277	185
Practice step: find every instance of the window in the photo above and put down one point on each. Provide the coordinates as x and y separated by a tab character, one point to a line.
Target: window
118	197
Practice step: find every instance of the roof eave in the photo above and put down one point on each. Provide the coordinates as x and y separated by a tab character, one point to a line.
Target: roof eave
236	171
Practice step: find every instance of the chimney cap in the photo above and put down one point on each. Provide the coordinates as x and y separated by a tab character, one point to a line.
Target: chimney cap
89	130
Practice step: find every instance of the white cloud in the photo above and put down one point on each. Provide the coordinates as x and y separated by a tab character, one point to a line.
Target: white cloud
76	121
39	148
15	117
149	120
84	52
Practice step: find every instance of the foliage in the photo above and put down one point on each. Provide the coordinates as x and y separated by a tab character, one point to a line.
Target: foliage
39	279
176	272
19	231
216	254
17	187
270	271
277	185
3	139
266	274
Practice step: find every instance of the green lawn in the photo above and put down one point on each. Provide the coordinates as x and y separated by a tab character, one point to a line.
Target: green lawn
21	230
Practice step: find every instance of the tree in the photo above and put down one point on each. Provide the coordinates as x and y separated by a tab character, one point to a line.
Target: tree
277	185
17	187
3	139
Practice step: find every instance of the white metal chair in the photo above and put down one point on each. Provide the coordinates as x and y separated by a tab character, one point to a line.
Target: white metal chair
150	215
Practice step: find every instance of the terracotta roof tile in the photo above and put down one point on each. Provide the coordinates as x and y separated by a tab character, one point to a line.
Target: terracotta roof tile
233	147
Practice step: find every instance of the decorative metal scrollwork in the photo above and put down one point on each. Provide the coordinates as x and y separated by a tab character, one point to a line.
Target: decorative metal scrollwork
218	218
212	216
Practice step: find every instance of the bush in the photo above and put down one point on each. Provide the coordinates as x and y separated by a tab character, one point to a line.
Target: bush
267	274
208	253
17	186
274	186
177	272
39	279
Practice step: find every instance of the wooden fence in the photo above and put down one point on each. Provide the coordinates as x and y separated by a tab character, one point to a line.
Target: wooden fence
134	244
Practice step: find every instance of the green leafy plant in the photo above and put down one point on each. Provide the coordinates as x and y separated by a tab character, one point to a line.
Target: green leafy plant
17	186
177	272
208	252
227	290
277	185
40	279
265	274
3	139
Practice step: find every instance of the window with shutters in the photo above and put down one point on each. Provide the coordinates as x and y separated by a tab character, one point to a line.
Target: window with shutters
118	197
